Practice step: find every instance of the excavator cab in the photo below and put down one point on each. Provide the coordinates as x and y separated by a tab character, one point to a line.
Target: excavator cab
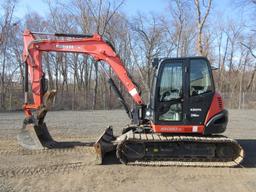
182	93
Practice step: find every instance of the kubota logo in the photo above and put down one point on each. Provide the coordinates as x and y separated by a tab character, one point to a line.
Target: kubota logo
170	129
65	46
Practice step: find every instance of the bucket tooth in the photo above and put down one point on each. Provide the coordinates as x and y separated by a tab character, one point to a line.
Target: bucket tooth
34	136
104	144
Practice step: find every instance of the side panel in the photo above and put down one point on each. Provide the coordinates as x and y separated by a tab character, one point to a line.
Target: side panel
217	117
198	107
178	128
215	108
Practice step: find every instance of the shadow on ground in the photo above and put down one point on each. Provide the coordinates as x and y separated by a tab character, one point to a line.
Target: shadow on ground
110	159
37	137
67	144
249	146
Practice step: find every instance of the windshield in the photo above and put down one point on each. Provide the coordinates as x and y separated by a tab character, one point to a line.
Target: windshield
200	80
171	82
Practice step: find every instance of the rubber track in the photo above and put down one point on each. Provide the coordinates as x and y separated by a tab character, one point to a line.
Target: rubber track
179	162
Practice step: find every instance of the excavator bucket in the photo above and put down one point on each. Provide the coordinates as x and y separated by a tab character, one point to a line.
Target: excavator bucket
104	144
34	136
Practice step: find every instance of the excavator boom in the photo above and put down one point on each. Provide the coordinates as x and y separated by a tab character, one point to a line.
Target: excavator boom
93	45
35	134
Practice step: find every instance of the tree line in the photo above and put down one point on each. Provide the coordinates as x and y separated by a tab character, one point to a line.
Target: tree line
187	28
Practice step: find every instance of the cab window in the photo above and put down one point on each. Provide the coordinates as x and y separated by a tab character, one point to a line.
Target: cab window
171	82
171	90
200	80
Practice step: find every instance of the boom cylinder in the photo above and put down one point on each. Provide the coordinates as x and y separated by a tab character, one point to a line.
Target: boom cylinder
26	83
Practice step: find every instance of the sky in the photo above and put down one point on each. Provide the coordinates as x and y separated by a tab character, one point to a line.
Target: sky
131	7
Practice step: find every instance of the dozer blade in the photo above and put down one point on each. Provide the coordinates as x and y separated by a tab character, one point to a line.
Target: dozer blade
104	144
34	136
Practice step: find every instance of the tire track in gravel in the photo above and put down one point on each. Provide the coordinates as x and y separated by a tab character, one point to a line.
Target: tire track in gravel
5	186
58	168
216	173
51	152
73	145
9	146
49	168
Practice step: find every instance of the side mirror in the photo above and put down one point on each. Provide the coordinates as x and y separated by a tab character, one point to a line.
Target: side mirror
155	62
214	68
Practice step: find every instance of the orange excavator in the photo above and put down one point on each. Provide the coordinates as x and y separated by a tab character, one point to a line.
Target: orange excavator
181	125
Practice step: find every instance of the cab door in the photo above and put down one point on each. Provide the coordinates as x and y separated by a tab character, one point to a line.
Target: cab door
200	90
169	93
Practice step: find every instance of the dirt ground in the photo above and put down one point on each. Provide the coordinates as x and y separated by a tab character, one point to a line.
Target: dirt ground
73	169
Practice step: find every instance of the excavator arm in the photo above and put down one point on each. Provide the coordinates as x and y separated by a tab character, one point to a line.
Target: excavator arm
35	134
93	45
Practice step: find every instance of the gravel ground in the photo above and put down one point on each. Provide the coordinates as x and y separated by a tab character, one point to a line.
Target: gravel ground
73	169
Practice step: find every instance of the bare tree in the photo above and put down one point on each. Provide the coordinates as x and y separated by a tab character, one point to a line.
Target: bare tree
150	35
254	67
180	31
6	27
202	14
81	83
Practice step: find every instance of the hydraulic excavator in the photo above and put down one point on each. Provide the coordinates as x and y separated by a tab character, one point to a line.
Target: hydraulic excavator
181	125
